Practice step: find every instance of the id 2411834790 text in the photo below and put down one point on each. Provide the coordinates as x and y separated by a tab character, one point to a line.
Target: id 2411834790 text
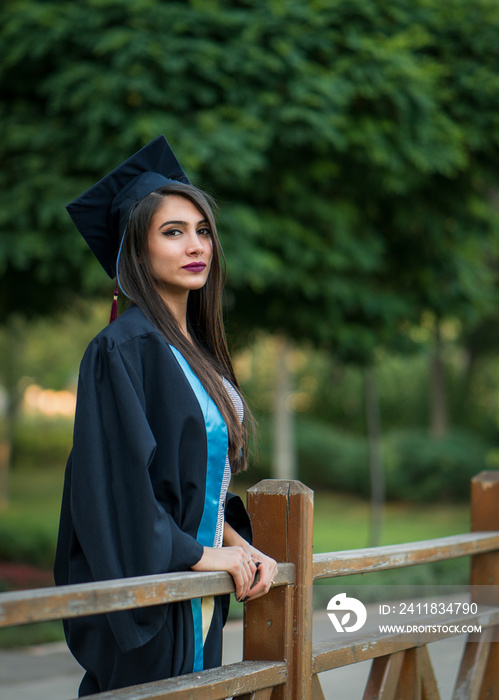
428	608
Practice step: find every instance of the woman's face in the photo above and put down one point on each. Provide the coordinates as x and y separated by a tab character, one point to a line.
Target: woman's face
180	247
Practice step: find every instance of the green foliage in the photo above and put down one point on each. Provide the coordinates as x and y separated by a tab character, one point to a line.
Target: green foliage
331	393
418	468
29	635
423	469
25	539
47	351
39	442
29	524
331	458
352	146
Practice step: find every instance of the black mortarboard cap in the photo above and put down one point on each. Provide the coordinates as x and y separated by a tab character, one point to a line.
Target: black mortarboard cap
101	213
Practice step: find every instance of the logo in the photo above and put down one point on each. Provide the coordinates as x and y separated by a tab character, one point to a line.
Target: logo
341	604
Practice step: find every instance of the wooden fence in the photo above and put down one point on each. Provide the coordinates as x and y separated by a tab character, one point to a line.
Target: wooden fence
280	660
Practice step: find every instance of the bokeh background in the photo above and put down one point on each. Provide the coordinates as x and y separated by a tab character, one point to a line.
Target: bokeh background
353	148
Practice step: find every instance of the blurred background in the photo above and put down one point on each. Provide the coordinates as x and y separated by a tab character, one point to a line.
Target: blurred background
353	149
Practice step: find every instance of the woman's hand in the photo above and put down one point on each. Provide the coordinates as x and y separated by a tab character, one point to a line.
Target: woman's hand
242	561
236	561
267	571
267	567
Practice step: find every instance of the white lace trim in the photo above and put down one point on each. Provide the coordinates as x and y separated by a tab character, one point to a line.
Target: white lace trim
238	405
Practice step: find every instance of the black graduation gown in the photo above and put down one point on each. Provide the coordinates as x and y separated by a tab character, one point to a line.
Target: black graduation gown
140	497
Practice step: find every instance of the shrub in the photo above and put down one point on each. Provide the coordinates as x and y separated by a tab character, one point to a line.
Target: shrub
332	459
42	441
23	576
27	542
417	467
421	468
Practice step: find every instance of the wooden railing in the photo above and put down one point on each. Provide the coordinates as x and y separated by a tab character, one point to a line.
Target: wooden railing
279	658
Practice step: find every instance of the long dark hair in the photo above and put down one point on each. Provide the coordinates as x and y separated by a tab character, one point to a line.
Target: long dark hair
208	355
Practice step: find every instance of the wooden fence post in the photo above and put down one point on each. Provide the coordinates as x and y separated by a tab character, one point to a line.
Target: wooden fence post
484	518
485	575
279	625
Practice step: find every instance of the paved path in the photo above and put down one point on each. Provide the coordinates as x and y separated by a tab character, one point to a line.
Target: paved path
49	672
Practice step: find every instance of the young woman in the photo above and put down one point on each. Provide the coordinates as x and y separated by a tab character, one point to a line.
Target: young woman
160	425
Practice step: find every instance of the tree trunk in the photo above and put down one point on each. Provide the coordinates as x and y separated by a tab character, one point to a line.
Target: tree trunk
439	421
5	448
284	450
376	471
14	401
11	370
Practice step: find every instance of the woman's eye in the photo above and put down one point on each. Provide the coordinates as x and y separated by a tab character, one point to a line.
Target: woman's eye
172	232
204	232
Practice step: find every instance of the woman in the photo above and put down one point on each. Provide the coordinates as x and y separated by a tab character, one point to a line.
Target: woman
159	426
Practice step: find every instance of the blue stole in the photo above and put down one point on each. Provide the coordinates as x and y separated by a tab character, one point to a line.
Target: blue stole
217	444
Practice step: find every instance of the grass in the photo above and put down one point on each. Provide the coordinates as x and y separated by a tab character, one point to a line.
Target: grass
30	635
342	522
28	532
37	490
29	523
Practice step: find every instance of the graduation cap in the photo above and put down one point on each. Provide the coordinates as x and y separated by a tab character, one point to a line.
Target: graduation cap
101	213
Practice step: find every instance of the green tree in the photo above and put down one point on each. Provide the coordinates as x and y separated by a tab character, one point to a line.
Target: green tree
352	145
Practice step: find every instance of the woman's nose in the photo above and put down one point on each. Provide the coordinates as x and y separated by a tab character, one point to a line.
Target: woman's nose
195	244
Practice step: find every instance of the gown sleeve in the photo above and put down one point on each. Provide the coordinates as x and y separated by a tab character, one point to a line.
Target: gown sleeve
121	527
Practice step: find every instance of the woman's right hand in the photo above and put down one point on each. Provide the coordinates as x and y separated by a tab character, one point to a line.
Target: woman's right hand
235	561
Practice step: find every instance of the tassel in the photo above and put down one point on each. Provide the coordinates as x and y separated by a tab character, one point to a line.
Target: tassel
114	305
